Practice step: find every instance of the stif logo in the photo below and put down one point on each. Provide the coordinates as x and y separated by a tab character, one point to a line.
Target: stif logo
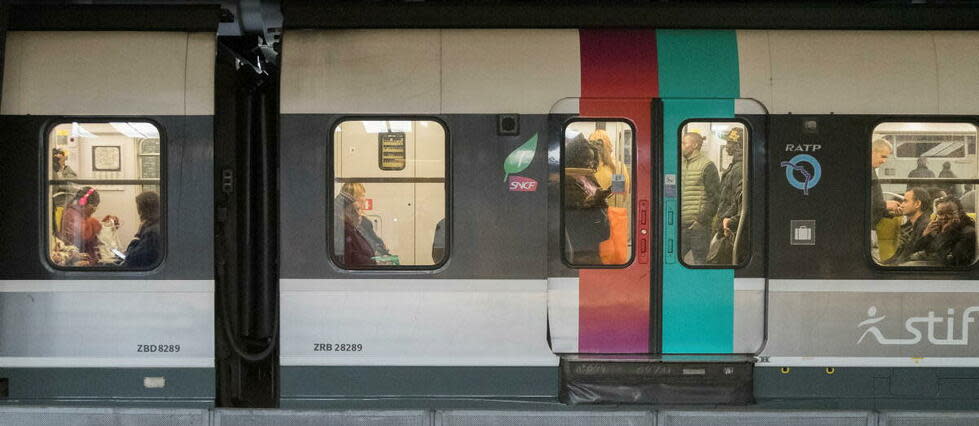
911	326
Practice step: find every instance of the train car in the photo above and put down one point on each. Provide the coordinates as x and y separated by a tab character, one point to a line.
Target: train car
107	277
680	212
469	162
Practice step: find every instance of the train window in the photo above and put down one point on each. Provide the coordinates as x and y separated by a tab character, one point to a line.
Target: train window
923	200
104	197
713	199
597	191
389	186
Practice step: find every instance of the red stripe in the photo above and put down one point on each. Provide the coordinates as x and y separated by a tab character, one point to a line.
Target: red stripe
614	303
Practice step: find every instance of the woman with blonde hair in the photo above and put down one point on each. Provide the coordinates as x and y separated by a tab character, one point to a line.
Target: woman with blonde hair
614	177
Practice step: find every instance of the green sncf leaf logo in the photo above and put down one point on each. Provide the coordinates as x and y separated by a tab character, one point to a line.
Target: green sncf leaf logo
520	158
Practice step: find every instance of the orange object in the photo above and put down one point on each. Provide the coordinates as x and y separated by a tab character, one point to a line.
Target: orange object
615	250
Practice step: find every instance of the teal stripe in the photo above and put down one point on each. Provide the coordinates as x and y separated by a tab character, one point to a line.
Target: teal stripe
698	64
698	304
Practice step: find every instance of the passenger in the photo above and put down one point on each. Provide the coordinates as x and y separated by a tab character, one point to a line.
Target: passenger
78	227
700	192
950	239
357	250
880	150
585	222
61	194
613	176
438	242
922	171
917	207
59	158
146	249
608	166
950	188
728	217
358	192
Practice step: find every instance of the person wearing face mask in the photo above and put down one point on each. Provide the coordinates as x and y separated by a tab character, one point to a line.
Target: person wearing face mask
728	218
78	227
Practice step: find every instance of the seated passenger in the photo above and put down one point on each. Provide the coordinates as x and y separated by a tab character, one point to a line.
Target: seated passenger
145	249
585	221
78	227
438	242
916	207
357	250
358	192
950	238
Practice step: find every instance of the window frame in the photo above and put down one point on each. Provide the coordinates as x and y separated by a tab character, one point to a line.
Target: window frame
632	216
45	185
747	175
868	204
329	195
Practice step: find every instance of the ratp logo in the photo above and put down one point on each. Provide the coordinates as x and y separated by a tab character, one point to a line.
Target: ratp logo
911	326
810	174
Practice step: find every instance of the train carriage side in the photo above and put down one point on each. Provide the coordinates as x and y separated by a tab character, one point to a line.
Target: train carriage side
414	227
851	314
107	136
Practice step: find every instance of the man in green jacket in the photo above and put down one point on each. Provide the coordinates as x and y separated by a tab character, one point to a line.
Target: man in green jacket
699	188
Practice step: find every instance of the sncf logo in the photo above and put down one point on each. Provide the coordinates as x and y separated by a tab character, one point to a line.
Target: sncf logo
522	184
918	328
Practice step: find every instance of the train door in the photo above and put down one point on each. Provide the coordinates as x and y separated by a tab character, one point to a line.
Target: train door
689	284
106	285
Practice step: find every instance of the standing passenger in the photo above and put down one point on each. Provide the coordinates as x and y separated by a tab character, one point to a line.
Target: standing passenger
950	188
922	171
585	222
728	218
880	150
699	191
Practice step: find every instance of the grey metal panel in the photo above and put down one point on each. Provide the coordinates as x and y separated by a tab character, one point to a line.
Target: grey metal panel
934	418
185	387
225	417
407	382
494	233
544	418
63	416
767	418
107	329
836	324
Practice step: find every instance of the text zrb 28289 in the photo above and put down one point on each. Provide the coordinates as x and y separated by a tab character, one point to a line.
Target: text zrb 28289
337	347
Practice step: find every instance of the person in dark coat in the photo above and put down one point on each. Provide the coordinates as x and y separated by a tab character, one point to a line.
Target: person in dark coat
728	217
949	188
357	250
146	249
917	206
950	239
585	219
922	171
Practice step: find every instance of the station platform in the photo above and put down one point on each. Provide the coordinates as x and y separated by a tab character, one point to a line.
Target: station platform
570	416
